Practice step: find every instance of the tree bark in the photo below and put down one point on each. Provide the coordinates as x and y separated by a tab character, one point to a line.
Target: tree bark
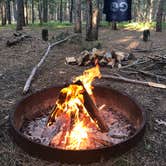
114	25
20	15
60	14
3	13
159	16
26	11
77	15
40	11
33	13
8	11
15	9
45	10
92	21
71	11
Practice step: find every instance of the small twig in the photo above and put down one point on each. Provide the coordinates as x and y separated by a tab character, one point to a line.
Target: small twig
152	75
137	62
151	84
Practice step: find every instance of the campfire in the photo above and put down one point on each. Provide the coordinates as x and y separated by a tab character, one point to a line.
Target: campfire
76	109
77	122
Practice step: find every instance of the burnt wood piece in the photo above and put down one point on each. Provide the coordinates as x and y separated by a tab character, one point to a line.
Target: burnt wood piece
146	35
16	39
93	110
45	34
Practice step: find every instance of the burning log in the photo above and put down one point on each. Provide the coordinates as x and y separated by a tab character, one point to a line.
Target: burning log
93	110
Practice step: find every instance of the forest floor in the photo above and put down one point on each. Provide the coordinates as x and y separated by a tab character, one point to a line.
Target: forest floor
16	63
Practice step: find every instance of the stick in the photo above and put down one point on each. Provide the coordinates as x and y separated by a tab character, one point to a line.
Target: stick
137	62
34	70
152	75
151	84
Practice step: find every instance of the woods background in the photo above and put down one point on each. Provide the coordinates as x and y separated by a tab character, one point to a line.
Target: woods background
42	11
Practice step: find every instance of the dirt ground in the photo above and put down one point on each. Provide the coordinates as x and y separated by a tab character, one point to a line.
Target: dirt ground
16	63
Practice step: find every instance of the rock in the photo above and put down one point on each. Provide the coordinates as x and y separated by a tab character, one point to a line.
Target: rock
71	60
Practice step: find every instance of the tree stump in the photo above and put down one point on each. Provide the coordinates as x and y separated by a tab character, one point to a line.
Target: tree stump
45	34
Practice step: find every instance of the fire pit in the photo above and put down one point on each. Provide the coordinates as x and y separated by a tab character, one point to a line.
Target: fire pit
69	124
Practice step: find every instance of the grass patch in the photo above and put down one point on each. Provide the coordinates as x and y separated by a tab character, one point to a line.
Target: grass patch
51	25
58	25
135	25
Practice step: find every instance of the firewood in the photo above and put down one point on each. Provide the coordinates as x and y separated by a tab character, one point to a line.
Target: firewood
71	60
119	56
93	110
111	63
103	62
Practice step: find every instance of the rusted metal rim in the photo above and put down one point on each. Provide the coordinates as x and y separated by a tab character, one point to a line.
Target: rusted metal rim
121	100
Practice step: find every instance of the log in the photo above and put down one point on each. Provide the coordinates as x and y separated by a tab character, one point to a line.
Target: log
93	110
45	34
34	70
17	39
120	78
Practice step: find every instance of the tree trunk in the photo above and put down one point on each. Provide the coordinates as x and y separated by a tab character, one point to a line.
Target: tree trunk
33	13
114	25
60	14
8	11
45	10
151	10
159	16
23	13
15	9
20	15
3	13
40	11
92	21
26	11
77	15
71	11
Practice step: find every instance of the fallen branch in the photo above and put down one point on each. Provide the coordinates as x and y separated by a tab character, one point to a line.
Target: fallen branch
34	70
120	78
137	62
16	39
152	75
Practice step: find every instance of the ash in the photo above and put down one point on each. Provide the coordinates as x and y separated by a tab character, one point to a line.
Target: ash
120	129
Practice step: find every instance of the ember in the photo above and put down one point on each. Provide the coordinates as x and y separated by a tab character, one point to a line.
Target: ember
76	123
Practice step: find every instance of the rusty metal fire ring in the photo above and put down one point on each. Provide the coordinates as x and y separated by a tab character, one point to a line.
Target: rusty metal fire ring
34	103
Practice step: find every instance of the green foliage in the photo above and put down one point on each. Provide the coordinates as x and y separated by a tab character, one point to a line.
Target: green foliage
51	25
134	25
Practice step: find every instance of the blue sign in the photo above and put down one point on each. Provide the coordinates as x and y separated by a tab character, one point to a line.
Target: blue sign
117	10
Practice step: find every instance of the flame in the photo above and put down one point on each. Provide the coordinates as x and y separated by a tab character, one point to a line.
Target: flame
77	119
88	76
78	136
